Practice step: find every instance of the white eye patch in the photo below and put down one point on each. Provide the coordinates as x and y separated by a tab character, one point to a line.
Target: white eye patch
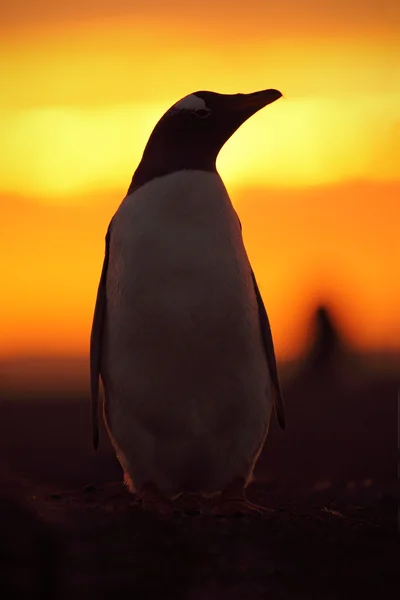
191	102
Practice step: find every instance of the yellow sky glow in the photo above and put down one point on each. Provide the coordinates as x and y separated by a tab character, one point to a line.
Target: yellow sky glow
67	151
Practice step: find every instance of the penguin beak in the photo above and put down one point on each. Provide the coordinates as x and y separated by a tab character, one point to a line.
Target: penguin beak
239	108
251	103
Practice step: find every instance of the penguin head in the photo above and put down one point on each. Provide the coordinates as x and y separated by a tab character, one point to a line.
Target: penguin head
192	132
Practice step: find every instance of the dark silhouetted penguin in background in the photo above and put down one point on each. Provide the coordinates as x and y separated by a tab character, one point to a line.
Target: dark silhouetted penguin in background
180	335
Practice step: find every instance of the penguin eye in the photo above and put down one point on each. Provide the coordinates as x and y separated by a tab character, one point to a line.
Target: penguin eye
202	113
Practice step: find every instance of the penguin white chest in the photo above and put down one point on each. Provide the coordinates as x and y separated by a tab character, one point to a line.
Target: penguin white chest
186	379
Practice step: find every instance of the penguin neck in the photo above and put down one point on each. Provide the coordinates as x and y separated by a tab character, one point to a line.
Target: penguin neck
152	167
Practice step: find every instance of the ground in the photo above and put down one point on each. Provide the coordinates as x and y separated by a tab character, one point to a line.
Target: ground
97	542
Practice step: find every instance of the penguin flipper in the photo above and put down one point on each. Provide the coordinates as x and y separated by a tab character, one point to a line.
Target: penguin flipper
96	338
270	353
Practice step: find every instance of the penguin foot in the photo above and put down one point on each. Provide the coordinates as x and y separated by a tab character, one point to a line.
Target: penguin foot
233	502
153	501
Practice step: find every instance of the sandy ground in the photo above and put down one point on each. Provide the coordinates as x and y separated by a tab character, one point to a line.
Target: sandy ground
97	542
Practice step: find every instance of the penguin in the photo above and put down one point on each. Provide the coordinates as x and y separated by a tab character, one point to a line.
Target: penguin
180	337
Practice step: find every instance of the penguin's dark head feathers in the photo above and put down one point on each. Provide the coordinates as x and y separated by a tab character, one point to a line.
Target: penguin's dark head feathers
192	132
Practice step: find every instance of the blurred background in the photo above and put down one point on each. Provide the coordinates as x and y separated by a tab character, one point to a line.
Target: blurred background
314	177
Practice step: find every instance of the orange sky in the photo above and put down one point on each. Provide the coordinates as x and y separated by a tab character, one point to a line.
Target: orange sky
315	177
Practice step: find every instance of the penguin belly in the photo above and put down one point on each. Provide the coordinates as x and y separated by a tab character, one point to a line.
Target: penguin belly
187	388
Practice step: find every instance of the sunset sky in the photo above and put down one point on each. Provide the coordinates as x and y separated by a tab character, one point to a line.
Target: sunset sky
315	177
